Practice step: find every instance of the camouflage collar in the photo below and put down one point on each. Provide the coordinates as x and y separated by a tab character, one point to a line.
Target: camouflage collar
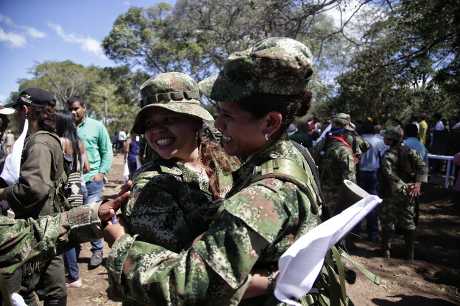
279	148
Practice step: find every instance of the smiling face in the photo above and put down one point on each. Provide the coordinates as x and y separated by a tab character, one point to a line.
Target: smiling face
172	135
243	134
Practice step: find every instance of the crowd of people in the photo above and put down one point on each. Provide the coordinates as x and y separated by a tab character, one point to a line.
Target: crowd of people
216	201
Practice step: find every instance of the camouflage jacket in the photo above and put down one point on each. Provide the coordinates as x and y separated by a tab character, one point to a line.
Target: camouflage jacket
25	240
337	164
400	165
254	226
171	204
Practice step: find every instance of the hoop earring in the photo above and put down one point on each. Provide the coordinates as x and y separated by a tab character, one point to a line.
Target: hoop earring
266	137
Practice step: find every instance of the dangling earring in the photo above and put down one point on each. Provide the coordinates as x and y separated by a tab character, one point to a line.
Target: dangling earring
266	137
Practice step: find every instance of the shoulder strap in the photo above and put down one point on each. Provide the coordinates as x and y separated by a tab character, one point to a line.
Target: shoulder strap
289	171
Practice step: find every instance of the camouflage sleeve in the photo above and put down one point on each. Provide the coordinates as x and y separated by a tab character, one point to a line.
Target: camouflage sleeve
389	174
420	167
25	239
347	165
217	264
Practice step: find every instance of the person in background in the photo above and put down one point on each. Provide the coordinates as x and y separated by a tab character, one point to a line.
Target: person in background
9	141
439	123
336	163
99	151
42	167
122	137
76	161
299	134
4	113
131	151
411	141
422	128
402	173
369	165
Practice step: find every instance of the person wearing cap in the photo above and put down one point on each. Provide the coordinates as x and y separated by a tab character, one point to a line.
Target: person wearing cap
96	139
174	195
337	163
274	199
402	172
41	167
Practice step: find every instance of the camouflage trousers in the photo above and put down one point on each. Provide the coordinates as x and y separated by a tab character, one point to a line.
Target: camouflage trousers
398	211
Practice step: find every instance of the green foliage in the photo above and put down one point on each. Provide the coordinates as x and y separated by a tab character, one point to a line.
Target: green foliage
408	64
196	36
111	93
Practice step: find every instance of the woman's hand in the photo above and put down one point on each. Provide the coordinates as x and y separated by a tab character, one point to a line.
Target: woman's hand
260	284
109	208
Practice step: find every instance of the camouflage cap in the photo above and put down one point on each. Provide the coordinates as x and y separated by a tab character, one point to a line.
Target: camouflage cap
394	133
173	91
342	119
277	65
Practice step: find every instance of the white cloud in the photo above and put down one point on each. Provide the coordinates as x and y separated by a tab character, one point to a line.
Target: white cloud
15	40
34	33
18	38
86	43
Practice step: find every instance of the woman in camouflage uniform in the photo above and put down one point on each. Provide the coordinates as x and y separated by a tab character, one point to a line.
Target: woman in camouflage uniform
274	200
173	196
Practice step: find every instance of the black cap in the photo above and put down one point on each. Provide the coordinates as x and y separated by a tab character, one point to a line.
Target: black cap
35	96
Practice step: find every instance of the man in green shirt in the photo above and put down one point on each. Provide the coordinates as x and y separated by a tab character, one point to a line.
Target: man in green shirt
99	151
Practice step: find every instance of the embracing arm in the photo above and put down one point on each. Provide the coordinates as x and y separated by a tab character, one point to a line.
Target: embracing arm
215	267
25	239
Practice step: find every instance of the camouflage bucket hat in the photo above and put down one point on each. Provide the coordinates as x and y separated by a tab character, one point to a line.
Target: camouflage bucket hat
394	133
172	91
277	65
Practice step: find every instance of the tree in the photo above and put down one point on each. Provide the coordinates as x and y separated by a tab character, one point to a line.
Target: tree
407	64
111	93
64	79
196	36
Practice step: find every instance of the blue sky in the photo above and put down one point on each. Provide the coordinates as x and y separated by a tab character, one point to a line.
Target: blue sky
33	31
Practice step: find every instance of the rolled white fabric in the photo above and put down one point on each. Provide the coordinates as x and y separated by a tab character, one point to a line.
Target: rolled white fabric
300	265
10	172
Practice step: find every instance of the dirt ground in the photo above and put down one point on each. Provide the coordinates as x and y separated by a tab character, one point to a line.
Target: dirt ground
433	279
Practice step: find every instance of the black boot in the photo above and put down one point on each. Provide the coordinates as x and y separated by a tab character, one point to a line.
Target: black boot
409	238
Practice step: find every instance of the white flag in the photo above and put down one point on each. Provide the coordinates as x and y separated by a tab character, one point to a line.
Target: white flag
300	265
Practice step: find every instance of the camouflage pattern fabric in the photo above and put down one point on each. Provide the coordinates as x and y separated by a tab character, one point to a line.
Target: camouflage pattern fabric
399	167
171	204
276	65
336	164
26	240
255	224
172	91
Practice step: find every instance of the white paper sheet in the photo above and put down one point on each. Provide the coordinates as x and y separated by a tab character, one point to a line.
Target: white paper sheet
300	265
